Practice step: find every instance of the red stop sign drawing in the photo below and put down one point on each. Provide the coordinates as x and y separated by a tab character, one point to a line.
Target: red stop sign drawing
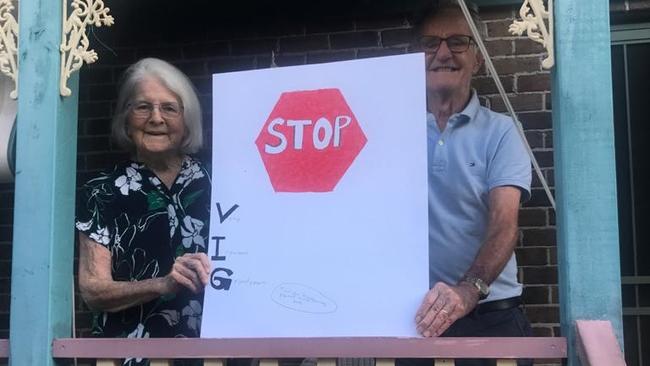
309	141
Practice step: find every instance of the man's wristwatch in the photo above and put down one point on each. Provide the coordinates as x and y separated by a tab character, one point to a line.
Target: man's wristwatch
481	286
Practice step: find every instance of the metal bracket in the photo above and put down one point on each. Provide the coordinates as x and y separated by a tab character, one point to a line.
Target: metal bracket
74	44
9	44
533	13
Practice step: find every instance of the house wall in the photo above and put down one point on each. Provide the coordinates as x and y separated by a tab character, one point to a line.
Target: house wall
205	41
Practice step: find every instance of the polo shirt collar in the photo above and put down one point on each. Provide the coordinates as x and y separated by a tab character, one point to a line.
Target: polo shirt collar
466	115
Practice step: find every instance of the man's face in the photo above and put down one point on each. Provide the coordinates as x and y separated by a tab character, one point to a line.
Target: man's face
450	72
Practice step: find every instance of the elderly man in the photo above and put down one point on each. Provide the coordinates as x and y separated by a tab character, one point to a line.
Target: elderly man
479	172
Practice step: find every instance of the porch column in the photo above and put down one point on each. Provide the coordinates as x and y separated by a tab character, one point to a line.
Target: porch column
43	242
585	168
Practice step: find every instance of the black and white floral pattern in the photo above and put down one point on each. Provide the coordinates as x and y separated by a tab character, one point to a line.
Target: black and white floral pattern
146	225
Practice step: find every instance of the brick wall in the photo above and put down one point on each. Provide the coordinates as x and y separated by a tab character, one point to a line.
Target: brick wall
223	43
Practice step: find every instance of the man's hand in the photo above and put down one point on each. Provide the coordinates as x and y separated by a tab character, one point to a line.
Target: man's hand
443	305
191	271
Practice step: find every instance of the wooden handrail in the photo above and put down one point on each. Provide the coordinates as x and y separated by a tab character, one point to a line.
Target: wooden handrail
597	344
498	347
4	348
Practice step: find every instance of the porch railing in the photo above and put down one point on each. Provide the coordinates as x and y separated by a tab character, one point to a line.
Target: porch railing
326	350
596	345
4	349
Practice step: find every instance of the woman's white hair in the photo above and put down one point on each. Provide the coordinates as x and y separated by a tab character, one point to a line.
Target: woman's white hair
176	81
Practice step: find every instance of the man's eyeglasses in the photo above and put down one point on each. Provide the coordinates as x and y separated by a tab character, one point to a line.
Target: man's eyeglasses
168	110
456	43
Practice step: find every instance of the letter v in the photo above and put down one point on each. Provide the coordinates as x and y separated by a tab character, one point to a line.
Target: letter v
222	216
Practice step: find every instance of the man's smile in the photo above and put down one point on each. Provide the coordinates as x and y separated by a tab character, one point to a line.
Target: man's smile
444	68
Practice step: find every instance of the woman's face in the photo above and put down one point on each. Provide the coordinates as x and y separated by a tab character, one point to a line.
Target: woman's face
155	120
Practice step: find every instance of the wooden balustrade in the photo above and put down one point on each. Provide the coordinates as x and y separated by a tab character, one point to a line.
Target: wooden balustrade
596	346
4	348
326	350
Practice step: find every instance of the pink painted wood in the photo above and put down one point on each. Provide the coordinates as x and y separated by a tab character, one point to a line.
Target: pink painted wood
597	344
539	347
4	348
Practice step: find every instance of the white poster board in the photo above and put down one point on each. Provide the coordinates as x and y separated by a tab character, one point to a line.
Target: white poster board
296	251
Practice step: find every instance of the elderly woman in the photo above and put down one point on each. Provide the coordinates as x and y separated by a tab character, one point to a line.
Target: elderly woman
143	226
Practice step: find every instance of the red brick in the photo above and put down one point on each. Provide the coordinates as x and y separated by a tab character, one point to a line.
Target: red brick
381	23
5	270
555	294
324	24
167	53
228	64
520	102
289	60
496	12
543	314
394	37
99	92
544	158
550	176
532	256
551	217
536	295
380	52
104	161
6	219
532	83
6	233
94	144
539	237
486	85
537	184
499	47
498	28
88	110
526	46
536	120
192	68
96	75
204	50
315	58
553	255
639	5
304	43
254	46
535	139
96	127
548	139
540	275
513	65
5	299
532	217
354	40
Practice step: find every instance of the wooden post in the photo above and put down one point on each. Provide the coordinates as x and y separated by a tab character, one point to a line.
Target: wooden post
43	241
585	168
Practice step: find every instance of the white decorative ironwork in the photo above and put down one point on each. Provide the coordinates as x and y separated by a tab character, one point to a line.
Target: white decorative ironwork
9	44
533	13
74	44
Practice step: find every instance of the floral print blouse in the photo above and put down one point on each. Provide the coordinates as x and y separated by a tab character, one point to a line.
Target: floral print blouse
146	226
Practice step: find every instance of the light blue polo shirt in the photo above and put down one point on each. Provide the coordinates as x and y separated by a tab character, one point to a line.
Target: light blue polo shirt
477	151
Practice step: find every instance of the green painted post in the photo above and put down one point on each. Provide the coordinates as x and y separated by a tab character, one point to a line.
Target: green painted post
585	168
43	240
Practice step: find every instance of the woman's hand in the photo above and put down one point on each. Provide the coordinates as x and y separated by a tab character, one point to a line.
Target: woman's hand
191	271
101	292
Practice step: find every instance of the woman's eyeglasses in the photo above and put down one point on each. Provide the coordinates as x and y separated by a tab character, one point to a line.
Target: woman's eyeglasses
456	43
168	110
